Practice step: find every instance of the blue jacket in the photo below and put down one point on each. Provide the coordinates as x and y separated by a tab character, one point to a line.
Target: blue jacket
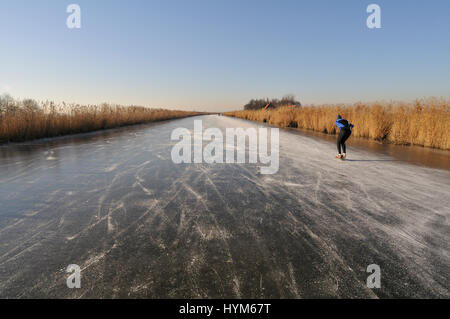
342	125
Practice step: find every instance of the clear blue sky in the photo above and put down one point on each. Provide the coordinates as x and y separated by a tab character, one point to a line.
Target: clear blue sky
218	54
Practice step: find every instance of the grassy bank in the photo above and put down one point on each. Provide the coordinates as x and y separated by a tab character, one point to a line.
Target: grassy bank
28	119
423	122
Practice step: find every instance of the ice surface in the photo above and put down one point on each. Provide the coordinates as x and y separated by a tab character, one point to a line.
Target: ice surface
139	225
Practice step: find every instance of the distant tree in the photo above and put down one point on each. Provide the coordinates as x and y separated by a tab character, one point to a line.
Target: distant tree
7	104
256	104
289	100
30	105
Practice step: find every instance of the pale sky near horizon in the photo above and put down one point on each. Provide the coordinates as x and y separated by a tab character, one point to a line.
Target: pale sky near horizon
215	55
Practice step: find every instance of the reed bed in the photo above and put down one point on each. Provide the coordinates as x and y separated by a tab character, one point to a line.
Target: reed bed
423	122
27	120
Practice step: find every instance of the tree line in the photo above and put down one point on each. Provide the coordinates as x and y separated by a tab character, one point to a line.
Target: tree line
256	104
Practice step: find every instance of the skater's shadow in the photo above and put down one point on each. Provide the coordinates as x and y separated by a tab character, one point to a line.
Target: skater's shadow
362	160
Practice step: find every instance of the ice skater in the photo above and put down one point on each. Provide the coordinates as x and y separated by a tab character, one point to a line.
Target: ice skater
345	131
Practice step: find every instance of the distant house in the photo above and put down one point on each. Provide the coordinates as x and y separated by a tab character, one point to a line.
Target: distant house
269	106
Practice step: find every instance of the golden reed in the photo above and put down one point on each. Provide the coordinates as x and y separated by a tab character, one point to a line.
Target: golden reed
27	120
422	122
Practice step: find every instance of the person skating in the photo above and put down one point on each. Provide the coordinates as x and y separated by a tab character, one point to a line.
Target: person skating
345	131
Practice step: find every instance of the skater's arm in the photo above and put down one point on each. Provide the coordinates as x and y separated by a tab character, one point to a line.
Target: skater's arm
339	124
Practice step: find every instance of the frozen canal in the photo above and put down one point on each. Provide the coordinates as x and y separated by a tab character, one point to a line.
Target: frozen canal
140	226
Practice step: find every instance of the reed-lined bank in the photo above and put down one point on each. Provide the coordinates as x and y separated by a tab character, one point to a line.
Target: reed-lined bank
423	122
27	120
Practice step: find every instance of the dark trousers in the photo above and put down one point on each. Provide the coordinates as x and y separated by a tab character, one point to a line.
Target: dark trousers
344	134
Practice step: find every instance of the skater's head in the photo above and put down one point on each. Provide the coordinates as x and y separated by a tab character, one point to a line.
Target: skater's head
338	117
